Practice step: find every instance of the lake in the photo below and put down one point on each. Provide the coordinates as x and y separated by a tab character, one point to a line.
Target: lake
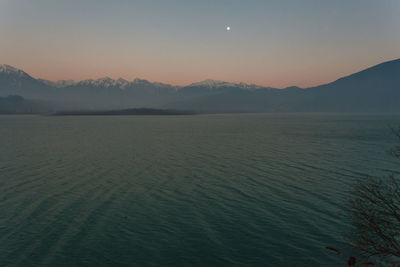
203	190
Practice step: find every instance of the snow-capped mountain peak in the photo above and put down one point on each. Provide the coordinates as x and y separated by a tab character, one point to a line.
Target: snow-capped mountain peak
209	83
107	82
12	71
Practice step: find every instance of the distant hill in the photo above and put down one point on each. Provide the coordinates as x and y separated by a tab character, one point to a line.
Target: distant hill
15	104
376	89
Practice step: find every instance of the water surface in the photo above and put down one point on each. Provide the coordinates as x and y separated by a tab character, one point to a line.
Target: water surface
239	189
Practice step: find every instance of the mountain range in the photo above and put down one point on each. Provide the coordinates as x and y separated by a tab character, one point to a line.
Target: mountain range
376	89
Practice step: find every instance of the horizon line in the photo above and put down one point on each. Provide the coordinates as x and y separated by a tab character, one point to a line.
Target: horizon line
201	81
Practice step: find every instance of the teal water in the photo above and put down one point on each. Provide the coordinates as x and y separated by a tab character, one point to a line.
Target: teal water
207	190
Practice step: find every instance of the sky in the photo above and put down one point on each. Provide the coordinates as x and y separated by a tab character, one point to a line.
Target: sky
275	43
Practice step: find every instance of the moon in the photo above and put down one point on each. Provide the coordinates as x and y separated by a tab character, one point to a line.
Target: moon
228	28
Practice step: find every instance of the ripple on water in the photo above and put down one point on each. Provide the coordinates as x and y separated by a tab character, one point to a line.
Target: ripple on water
257	189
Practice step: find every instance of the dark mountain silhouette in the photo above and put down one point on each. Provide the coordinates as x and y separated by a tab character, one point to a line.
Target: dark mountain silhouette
376	89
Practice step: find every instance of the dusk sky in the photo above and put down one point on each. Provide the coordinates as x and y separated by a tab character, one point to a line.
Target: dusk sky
272	43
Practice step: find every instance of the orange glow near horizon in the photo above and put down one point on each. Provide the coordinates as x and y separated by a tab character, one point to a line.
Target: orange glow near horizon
274	78
271	43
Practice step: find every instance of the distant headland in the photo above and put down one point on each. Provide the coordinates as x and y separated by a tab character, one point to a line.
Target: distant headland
132	111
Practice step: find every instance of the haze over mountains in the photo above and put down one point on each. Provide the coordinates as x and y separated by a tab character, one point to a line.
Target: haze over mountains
376	89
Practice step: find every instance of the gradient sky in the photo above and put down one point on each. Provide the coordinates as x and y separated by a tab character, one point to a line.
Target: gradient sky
275	43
